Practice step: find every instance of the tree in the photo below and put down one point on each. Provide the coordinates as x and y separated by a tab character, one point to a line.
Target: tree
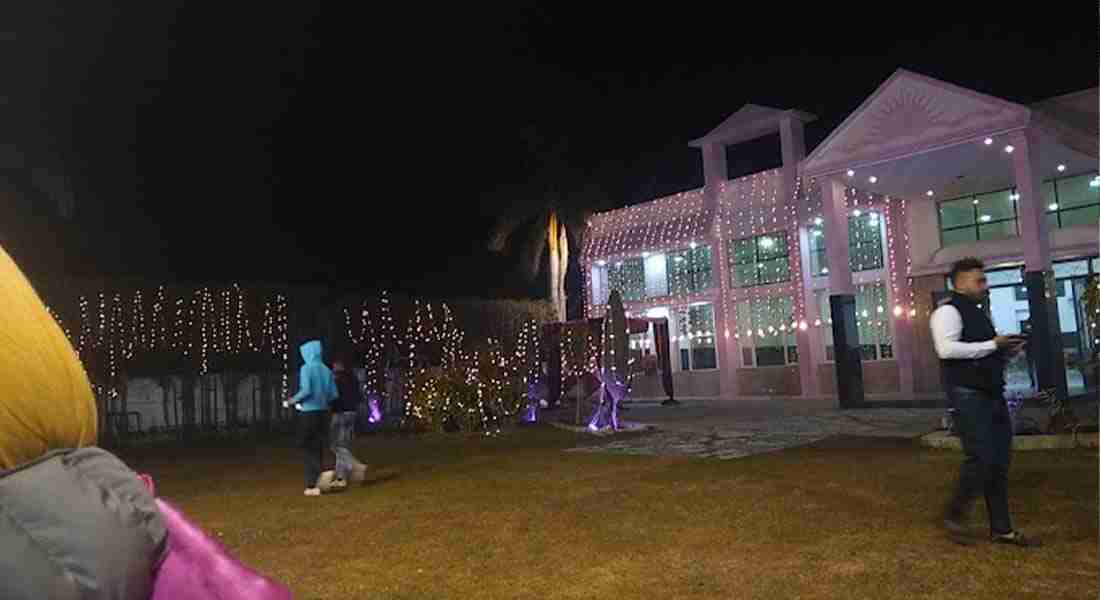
546	217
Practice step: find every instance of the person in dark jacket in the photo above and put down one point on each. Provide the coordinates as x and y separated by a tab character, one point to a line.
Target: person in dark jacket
343	426
972	359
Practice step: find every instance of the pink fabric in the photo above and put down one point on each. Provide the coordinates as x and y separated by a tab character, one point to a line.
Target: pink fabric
199	568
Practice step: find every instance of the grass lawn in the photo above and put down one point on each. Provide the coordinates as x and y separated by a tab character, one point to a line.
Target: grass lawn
515	517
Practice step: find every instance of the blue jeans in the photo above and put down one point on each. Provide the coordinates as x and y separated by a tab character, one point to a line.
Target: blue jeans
985	428
343	431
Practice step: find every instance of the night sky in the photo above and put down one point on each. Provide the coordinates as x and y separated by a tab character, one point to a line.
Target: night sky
239	140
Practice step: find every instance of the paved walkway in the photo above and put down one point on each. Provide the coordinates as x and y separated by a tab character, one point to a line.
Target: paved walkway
726	430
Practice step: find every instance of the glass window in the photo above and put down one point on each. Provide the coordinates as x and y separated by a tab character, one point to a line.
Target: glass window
996	206
873	321
998	230
865	242
689	270
960	236
1005	276
656	279
819	261
992	216
1085	215
1080	190
1073	268
627	276
759	260
957	213
1049	193
864	245
1075	201
696	337
767	331
599	284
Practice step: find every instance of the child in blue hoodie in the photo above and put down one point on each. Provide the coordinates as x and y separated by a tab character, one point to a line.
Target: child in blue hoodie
316	389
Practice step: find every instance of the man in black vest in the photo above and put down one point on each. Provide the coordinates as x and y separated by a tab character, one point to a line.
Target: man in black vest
973	358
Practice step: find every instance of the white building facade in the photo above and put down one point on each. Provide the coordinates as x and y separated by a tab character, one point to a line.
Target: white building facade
920	175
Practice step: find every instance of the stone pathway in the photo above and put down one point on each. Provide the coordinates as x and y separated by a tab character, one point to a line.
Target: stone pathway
736	440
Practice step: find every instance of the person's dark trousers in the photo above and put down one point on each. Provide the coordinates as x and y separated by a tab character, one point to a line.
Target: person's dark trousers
985	428
311	439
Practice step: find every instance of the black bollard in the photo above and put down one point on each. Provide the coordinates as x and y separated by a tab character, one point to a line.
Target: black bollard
848	355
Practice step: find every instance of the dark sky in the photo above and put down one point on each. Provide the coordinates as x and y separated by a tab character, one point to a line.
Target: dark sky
276	141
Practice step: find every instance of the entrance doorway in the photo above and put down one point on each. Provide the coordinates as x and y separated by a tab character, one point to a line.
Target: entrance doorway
1008	308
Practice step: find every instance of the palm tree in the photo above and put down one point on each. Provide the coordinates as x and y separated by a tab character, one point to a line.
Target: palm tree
550	219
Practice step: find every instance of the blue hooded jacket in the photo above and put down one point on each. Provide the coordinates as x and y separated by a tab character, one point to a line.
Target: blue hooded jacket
316	386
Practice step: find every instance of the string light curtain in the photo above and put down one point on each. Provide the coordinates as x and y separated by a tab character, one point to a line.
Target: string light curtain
628	277
872	321
865	249
760	260
695	336
689	270
757	229
766	338
198	329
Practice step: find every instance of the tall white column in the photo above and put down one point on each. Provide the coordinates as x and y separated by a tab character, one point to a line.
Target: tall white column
714	175
793	147
903	325
1030	206
1046	331
836	237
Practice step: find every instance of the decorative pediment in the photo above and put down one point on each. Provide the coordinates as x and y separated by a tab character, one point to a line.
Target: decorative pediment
910	113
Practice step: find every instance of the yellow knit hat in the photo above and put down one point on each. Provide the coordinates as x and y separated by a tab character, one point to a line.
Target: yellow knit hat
46	402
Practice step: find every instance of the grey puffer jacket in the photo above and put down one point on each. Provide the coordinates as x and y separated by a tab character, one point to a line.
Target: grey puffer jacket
78	525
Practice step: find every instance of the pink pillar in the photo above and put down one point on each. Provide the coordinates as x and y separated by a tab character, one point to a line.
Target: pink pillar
793	146
726	345
903	324
714	175
1031	206
835	215
810	349
715	170
728	360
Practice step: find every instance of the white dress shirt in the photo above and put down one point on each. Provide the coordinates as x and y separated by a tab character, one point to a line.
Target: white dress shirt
947	327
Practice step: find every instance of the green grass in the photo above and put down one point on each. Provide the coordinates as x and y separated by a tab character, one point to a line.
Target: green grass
514	517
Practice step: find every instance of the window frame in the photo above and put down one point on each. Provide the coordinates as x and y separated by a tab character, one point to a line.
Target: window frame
820	255
686	308
978	223
887	317
746	342
1057	213
695	269
732	264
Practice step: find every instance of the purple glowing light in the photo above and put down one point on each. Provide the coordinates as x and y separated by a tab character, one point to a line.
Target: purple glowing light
612	392
537	392
375	409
